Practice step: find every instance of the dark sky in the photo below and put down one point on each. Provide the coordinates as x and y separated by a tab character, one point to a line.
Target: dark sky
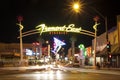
54	12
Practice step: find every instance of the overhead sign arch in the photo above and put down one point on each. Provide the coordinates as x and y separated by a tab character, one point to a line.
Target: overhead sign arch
70	28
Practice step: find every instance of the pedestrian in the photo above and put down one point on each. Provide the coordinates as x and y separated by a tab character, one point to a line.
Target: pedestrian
98	65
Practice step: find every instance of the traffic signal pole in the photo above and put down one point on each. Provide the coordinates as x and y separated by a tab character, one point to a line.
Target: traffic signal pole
108	50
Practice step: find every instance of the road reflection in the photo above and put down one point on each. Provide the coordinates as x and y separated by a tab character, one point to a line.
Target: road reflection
41	75
56	74
47	75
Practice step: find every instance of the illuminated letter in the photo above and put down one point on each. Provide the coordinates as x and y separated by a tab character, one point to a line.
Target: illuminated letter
40	28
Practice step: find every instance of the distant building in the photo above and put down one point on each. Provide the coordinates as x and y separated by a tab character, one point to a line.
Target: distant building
10	53
12	50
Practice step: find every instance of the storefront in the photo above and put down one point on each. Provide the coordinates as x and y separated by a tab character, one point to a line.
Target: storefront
113	57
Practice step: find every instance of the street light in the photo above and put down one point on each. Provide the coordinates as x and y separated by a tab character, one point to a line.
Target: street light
48	46
76	6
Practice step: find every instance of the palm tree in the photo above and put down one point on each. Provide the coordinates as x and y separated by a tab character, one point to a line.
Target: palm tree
73	39
41	41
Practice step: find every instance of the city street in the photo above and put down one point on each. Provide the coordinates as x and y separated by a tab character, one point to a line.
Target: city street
59	74
60	40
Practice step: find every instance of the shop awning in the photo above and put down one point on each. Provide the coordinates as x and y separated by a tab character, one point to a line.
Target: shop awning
9	54
102	53
115	50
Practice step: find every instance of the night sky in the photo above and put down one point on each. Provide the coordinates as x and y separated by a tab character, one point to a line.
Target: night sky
54	13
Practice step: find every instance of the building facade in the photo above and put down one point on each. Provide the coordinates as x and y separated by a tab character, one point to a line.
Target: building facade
102	54
10	53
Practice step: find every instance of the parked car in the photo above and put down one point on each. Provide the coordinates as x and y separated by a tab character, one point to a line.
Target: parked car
76	61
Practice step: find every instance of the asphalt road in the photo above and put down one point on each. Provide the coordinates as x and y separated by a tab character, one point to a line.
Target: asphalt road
55	75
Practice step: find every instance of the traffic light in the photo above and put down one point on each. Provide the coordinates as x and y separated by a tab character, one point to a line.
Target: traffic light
108	47
110	56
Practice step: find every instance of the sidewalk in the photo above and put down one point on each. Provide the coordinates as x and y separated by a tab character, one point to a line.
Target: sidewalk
114	69
91	70
91	67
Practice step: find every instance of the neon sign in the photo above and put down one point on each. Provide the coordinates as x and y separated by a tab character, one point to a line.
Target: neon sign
70	28
57	44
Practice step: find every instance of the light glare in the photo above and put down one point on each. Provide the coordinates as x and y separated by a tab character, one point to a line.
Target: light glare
76	7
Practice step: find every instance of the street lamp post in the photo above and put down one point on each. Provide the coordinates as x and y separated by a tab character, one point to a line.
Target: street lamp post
48	46
21	44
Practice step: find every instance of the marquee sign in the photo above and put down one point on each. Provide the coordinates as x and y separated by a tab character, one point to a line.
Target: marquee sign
70	28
